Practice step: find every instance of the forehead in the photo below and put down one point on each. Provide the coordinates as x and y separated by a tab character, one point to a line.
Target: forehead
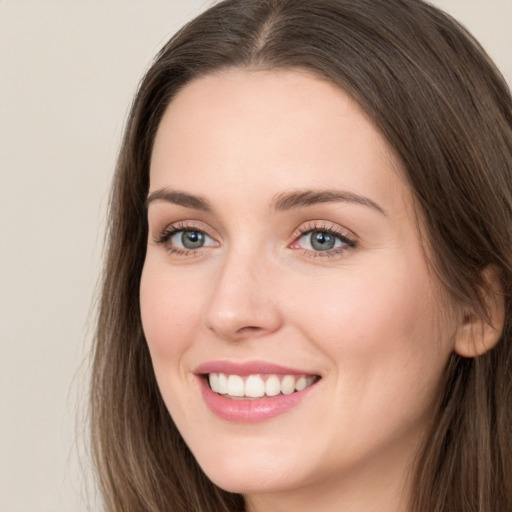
271	130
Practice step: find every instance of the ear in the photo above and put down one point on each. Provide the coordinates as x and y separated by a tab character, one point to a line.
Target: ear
478	333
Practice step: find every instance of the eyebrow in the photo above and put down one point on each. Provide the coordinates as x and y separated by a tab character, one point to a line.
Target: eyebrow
297	199
282	202
179	198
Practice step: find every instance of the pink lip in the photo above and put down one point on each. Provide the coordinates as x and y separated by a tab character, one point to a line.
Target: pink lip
248	410
247	368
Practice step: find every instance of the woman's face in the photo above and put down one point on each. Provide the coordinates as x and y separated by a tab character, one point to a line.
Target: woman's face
284	263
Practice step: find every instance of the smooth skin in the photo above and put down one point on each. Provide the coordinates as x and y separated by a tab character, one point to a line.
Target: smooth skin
366	315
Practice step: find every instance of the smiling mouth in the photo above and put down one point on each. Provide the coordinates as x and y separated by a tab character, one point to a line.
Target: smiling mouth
239	387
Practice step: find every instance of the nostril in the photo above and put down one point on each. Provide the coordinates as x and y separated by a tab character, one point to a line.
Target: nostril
249	328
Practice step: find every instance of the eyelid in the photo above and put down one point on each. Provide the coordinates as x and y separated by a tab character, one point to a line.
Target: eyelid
349	238
323	225
175	232
164	236
186	225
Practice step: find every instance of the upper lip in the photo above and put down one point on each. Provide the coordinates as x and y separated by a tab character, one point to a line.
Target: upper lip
247	368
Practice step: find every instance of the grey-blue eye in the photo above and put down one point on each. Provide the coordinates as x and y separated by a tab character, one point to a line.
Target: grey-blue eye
190	239
320	241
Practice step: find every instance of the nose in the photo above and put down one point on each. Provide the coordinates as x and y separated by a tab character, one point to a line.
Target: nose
242	303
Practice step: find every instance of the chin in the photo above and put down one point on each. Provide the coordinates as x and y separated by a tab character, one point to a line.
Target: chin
251	470
250	480
261	466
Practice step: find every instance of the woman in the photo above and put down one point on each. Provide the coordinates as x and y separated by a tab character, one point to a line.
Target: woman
307	296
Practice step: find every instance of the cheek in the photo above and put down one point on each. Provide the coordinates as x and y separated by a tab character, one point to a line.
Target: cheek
169	312
382	332
367	307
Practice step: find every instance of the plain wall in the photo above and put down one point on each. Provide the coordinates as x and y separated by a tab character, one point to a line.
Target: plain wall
68	70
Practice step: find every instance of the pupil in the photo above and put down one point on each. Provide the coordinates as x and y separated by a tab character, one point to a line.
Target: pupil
192	239
322	241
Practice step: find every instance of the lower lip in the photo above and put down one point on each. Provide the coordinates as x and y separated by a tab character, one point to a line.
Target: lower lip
250	410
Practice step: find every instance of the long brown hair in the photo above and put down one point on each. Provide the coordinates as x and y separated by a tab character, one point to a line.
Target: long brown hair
447	112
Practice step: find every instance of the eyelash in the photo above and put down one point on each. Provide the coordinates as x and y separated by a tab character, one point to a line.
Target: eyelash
169	231
348	243
316	227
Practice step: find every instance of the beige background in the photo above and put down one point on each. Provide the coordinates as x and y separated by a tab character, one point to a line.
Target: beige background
68	71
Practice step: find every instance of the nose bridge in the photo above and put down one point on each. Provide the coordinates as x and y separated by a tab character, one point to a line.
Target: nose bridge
241	302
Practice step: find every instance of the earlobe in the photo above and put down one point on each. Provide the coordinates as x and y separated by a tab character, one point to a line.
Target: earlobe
478	331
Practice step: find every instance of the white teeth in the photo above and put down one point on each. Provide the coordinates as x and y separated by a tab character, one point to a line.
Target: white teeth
288	385
257	386
254	386
301	384
236	385
214	381
273	386
223	384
